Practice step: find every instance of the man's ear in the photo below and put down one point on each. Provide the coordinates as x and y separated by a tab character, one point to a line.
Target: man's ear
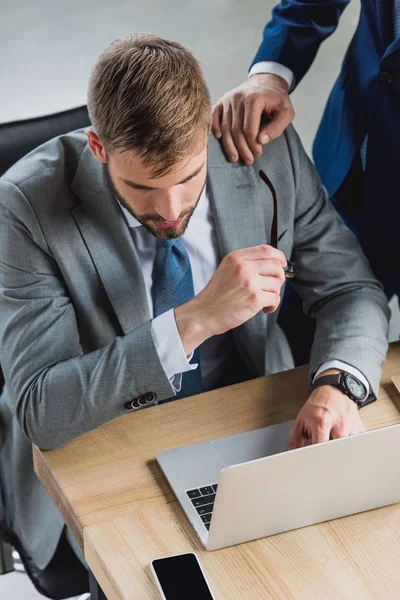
96	146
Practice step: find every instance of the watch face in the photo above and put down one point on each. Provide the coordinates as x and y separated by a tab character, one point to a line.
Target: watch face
354	386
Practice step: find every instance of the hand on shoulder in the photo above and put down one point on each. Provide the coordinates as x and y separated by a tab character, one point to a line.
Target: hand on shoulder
237	116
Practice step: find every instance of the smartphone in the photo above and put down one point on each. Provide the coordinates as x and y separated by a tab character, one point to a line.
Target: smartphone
181	577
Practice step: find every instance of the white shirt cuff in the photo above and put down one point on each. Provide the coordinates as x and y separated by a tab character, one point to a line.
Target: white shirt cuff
342	366
169	348
268	66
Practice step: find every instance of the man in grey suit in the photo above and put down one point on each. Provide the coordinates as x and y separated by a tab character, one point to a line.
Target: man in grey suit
134	251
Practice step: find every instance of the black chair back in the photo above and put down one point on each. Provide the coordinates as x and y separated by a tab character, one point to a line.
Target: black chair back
20	137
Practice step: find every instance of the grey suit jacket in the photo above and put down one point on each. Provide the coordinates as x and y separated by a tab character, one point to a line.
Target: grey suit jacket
75	337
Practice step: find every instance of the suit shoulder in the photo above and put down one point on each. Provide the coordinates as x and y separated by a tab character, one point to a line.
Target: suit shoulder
46	172
55	159
217	156
284	155
288	143
286	147
292	138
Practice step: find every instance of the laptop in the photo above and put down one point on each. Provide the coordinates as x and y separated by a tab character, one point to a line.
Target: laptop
247	486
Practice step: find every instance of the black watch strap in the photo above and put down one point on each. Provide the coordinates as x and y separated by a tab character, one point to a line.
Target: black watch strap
347	383
334	380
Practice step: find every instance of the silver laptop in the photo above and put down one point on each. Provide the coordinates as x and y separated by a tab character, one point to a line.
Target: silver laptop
246	486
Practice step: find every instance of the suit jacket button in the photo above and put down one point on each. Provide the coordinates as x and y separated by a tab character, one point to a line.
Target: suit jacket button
132	404
150	397
385	77
142	400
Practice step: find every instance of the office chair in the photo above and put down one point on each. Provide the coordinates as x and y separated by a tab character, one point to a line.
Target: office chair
20	137
65	576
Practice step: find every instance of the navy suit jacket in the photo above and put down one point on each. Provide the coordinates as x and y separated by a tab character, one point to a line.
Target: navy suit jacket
365	99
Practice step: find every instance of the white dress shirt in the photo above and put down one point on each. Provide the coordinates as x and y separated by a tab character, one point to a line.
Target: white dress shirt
273	68
200	242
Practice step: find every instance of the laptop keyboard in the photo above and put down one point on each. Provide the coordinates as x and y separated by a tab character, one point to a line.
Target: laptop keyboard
203	500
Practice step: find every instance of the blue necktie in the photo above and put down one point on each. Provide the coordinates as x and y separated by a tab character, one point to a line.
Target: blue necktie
172	286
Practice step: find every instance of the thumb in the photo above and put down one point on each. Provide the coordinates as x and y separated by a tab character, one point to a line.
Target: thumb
276	125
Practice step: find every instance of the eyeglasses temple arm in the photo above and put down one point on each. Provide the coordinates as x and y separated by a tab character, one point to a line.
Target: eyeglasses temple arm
274	227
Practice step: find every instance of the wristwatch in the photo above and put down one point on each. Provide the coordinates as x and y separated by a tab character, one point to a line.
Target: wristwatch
348	384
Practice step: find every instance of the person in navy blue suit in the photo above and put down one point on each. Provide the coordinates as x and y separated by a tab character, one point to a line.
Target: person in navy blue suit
357	146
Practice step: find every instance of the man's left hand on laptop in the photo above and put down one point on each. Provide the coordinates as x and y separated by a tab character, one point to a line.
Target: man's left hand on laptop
328	414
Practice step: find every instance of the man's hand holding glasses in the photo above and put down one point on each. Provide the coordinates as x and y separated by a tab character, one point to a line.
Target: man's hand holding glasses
247	281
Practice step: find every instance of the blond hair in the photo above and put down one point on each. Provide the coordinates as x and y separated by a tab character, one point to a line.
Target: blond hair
148	95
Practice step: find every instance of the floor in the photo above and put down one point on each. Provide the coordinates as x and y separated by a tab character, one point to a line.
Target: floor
48	49
17	586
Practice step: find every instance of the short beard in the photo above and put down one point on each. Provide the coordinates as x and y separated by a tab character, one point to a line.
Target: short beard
145	219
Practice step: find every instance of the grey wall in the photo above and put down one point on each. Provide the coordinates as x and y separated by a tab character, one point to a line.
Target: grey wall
47	48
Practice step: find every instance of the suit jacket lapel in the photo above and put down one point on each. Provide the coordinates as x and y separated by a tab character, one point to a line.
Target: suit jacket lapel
384	22
243	211
393	48
242	204
109	242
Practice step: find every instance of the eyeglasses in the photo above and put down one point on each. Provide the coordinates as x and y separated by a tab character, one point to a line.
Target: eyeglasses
290	268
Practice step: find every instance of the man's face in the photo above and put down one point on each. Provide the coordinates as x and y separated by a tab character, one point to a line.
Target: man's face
163	205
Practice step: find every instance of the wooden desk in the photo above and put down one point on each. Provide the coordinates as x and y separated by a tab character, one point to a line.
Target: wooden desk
110	491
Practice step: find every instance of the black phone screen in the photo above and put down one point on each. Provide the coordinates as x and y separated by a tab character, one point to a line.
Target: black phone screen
181	578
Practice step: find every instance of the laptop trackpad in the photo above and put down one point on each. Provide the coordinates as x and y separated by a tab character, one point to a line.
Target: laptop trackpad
251	445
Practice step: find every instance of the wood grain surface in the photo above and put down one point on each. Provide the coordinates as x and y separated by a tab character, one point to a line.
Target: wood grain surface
354	558
108	483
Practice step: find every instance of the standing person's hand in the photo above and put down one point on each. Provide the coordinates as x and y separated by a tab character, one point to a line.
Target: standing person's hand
237	116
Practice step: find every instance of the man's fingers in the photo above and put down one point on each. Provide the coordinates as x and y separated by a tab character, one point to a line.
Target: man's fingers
270	284
260	253
280	119
272	271
251	125
296	437
216	120
238	135
320	433
355	432
339	432
227	139
347	427
268	310
267	266
271	301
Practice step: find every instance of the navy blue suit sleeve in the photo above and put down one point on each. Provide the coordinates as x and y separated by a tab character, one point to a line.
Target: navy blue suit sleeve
296	30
